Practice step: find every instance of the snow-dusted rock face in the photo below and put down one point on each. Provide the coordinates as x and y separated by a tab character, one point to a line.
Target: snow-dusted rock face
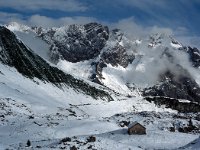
75	43
194	54
117	50
175	86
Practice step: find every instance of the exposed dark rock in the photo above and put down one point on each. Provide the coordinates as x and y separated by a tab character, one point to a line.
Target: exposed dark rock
67	139
38	146
62	147
91	139
175	104
90	147
31	117
2	116
172	129
180	130
28	144
197	117
73	148
189	128
117	56
98	68
124	123
177	87
194	55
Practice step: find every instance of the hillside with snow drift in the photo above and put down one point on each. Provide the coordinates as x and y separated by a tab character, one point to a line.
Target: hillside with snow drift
81	86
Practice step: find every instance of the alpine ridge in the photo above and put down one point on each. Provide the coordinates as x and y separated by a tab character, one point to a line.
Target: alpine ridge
15	54
157	65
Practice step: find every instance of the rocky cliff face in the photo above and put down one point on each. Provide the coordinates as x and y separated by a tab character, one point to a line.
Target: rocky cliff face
194	55
177	87
75	43
116	53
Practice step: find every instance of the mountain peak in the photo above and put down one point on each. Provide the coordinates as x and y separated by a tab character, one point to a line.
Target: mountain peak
76	42
15	26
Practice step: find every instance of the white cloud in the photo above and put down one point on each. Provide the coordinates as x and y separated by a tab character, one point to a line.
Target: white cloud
37	20
129	27
134	30
156	29
181	31
9	17
193	41
63	5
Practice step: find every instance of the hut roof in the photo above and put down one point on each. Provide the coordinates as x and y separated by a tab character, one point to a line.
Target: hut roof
133	124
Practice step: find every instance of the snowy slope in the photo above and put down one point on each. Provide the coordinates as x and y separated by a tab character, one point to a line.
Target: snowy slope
30	39
194	145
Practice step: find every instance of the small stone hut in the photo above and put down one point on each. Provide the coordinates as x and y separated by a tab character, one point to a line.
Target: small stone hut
136	128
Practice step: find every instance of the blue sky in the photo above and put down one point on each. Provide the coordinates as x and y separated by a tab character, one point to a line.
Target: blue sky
180	16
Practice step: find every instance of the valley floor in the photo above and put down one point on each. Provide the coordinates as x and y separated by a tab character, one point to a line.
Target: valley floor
48	131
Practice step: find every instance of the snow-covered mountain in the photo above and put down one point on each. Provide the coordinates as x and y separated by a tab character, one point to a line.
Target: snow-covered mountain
147	66
87	83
